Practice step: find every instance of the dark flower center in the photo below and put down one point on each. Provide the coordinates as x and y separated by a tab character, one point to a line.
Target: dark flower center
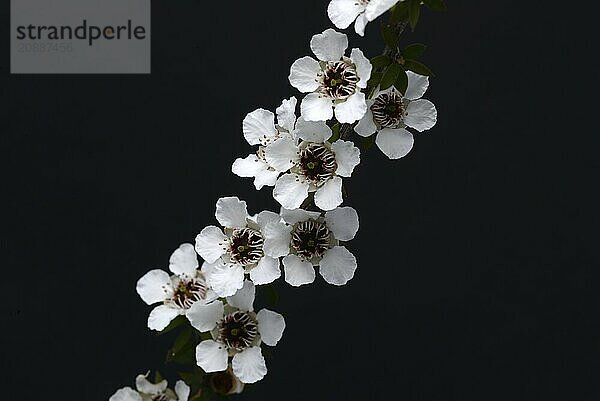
388	110
339	80
238	330
246	246
189	291
160	397
310	239
317	163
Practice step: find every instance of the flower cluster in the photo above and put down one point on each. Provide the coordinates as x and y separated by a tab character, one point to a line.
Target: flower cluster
305	158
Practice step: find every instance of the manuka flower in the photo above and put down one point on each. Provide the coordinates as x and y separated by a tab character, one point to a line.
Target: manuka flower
343	12
313	165
259	128
177	292
240	248
390	114
237	332
146	391
334	82
315	241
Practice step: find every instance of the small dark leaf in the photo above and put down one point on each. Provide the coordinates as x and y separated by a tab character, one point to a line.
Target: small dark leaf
157	377
368	142
414	11
401	82
390	76
418	68
389	37
182	339
336	135
414	51
185	356
435	5
381	61
375	79
400	13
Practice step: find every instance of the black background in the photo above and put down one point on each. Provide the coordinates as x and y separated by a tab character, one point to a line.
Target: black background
476	252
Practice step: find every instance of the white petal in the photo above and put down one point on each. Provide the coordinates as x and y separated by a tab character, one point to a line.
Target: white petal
244	297
266	271
184	261
126	394
421	115
394	143
282	154
182	390
313	131
258	125
277	239
265	217
337	266
224	279
363	67
286	114
211	243
161	316
249	365
270	326
145	387
417	85
343	222
298	272
211	356
204	317
290	192
266	177
329	45
343	12
231	212
315	107
366	126
154	286
353	109
248	167
294	216
347	157
377	7
329	196
303	74
361	24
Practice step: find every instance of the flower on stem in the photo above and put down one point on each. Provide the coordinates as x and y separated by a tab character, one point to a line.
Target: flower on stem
178	292
238	333
315	241
343	12
259	128
240	248
146	391
313	165
334	82
390	113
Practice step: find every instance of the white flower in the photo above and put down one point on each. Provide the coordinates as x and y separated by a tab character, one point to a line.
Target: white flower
177	292
314	165
240	248
390	113
259	128
237	332
343	12
315	241
146	391
334	82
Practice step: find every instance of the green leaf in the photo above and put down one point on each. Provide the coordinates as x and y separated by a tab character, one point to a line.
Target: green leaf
414	51
418	68
381	61
334	137
389	37
375	79
185	356
435	5
368	142
400	13
182	339
414	11
401	82
178	321
158	377
390	76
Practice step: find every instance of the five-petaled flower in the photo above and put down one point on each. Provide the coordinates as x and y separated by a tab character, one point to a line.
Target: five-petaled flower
237	332
240	248
334	82
343	12
390	113
178	292
146	391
